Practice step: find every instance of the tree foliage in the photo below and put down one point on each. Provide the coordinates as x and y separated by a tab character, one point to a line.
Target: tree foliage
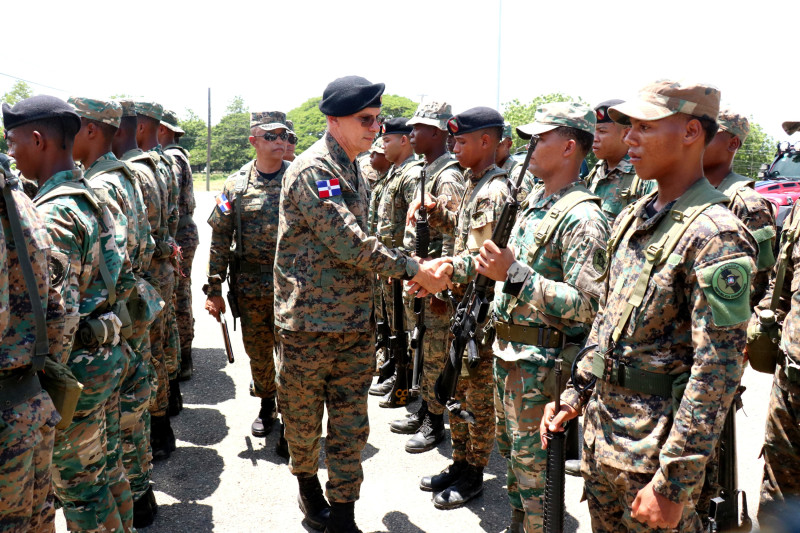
19	91
758	148
230	148
517	114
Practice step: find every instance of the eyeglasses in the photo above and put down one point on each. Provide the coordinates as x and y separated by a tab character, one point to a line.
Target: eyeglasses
284	136
368	120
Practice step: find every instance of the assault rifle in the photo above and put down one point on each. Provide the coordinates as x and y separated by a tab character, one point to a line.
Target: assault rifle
421	248
382	334
473	309
398	349
556	457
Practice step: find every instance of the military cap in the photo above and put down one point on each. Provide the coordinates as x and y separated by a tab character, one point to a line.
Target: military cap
170	121
39	107
350	94
433	113
734	123
476	118
290	125
377	146
601	110
150	109
554	115
791	127
107	112
664	98
128	107
396	125
508	131
268	120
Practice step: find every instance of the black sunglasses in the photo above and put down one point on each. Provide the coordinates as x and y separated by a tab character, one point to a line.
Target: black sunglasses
284	136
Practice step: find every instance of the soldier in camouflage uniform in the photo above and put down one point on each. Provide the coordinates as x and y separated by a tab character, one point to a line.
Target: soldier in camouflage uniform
291	142
613	178
82	231
324	268
549	298
504	160
186	235
477	132
671	324
443	180
27	414
244	228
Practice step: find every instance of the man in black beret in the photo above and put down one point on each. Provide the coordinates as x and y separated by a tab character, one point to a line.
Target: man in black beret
324	270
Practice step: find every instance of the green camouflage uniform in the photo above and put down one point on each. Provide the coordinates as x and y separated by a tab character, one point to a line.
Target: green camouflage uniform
27	428
324	270
610	186
377	184
512	166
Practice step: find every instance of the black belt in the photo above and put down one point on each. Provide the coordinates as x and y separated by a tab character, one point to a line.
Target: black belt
18	388
541	336
254	268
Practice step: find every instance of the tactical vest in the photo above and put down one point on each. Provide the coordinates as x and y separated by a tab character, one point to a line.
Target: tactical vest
628	185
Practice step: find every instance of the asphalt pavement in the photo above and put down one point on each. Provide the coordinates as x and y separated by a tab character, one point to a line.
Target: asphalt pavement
221	479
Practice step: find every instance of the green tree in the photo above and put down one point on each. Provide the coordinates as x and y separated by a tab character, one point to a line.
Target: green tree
517	114
758	148
230	148
19	91
195	138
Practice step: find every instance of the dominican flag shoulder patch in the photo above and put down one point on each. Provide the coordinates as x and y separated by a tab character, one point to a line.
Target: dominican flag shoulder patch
328	188
223	204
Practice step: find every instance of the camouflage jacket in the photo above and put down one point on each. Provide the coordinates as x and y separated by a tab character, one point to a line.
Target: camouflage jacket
325	261
17	324
144	169
692	322
187	229
561	288
398	193
259	212
375	195
511	166
608	184
370	175
165	165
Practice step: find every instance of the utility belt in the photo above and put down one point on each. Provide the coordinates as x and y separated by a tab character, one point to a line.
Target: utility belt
790	368
612	371
17	387
541	336
246	267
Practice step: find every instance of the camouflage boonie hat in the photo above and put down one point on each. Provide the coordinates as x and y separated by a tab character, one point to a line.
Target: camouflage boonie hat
290	125
433	113
128	108
268	120
170	121
551	116
507	131
734	123
664	98
107	112
150	109
791	127
377	146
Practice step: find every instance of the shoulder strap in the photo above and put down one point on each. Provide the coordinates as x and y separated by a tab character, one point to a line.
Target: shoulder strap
239	188
732	184
145	158
628	186
592	173
108	165
483	181
552	219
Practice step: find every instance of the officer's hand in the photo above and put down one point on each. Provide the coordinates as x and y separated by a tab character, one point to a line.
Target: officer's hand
433	276
493	261
215	305
411	216
555	424
655	510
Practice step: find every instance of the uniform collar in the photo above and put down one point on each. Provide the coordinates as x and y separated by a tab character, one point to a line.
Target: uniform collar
58	178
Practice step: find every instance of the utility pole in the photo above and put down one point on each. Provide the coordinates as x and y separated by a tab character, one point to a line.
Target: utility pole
499	43
208	145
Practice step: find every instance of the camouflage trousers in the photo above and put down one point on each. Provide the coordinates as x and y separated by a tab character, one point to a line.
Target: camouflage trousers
435	347
473	443
610	493
159	335
172	348
188	242
135	394
519	402
333	371
258	335
27	433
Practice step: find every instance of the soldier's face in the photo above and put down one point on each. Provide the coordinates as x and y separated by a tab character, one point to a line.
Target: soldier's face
360	129
22	147
422	137
379	162
468	148
80	148
609	140
655	146
393	146
274	149
719	150
548	155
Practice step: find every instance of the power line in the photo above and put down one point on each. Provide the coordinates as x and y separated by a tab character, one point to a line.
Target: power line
32	82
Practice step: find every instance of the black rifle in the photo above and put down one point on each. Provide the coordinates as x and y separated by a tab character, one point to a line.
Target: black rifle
724	509
398	349
422	244
473	309
226	338
382	334
556	457
233	276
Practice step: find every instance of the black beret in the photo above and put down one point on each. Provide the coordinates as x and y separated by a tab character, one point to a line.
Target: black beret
39	107
396	125
348	95
601	110
475	119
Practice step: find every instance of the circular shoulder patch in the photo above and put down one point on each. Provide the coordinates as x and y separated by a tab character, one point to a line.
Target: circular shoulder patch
57	271
599	262
730	281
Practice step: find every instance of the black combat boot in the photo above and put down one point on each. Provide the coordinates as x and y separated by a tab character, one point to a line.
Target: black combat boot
145	509
411	423
382	388
312	502
517	521
343	518
162	439
187	367
431	433
469	485
175	399
443	479
266	418
282	446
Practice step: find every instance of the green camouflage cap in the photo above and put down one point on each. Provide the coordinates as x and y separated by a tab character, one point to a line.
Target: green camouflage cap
791	127
290	125
665	98
507	131
170	121
734	123
432	113
377	146
554	115
107	112
150	109
128	108
268	120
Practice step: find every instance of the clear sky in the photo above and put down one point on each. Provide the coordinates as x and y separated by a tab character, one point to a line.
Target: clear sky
278	54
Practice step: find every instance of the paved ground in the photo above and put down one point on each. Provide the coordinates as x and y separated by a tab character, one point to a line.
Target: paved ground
223	480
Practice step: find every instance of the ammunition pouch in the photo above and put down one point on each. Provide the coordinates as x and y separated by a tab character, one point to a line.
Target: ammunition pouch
18	387
65	391
93	333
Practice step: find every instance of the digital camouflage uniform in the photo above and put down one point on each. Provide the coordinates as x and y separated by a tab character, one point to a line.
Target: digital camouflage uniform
558	292
377	184
254	284
27	428
613	186
84	475
481	205
512	166
690	325
324	270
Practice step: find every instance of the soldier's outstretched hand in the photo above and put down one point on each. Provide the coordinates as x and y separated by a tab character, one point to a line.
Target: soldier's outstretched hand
215	305
411	216
655	510
554	422
433	276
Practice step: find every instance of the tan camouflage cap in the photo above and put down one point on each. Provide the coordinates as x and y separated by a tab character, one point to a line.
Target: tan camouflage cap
107	112
432	113
665	98
554	115
791	127
377	146
128	107
268	120
170	120
150	109
508	131
734	123
290	125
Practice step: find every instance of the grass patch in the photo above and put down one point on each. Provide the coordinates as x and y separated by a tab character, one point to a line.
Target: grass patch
216	181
